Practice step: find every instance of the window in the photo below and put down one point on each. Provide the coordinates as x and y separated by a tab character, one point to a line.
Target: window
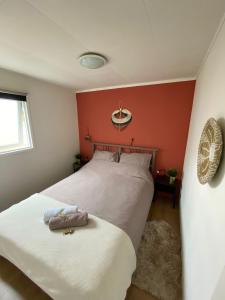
14	123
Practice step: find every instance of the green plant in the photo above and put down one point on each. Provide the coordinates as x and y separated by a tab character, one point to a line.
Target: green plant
78	156
172	172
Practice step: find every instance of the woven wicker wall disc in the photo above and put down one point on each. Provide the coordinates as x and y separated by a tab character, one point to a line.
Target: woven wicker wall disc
209	151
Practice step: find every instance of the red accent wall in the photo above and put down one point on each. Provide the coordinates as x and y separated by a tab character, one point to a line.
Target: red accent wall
161	115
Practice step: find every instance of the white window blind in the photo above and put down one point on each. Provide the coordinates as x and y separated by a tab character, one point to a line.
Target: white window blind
15	131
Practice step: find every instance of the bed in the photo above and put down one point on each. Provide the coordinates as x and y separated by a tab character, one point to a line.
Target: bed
95	262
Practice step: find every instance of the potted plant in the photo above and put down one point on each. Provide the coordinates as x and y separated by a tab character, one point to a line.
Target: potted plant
78	158
172	174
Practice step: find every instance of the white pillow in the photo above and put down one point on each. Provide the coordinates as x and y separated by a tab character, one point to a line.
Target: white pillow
138	159
104	155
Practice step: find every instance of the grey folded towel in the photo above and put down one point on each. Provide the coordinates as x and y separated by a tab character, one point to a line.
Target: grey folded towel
66	221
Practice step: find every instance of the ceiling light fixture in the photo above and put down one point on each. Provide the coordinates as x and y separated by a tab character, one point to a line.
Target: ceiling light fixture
92	60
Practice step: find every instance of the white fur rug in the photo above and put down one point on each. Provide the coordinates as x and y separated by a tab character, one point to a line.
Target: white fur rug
159	262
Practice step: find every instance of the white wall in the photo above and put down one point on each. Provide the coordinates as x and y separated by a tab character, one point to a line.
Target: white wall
203	206
55	135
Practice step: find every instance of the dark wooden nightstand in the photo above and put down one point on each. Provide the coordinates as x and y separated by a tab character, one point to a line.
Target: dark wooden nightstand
162	185
78	166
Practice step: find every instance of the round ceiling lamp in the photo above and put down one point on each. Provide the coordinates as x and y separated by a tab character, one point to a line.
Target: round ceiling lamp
92	60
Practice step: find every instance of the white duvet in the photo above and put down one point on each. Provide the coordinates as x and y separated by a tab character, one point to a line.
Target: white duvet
96	262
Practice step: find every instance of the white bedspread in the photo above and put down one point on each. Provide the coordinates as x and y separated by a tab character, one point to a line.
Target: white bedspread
96	262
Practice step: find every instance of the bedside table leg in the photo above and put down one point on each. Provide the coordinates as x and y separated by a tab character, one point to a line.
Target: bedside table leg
154	196
174	201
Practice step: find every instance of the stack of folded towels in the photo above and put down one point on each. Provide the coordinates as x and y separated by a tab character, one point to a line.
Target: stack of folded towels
70	216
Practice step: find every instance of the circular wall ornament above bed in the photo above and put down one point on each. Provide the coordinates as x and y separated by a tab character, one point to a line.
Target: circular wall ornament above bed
209	151
121	117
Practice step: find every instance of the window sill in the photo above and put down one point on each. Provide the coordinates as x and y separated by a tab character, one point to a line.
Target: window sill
15	151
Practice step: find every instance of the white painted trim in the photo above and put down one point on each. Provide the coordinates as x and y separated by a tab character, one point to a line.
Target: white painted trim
222	21
137	84
16	151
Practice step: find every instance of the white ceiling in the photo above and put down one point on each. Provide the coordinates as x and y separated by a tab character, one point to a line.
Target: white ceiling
144	40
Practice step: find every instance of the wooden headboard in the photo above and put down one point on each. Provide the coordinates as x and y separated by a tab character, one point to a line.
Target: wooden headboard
128	149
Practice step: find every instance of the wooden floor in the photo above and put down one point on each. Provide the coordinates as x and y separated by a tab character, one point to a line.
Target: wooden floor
14	285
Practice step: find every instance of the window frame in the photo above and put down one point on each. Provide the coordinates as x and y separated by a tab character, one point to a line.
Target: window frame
22	106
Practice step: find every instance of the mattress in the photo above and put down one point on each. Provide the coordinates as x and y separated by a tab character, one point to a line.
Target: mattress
118	193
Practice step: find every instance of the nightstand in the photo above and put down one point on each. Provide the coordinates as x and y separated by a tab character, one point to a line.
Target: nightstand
162	185
78	166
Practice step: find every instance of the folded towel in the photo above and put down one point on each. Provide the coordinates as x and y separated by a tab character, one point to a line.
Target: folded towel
65	221
54	212
70	210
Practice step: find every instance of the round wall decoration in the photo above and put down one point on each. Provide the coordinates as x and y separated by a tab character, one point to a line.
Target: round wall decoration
121	118
209	151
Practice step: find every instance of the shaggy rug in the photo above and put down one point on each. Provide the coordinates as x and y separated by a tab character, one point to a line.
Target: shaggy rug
159	262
